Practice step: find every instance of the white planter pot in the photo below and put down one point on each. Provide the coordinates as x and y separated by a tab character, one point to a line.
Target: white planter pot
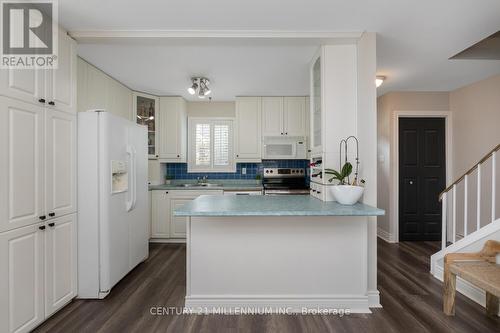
347	194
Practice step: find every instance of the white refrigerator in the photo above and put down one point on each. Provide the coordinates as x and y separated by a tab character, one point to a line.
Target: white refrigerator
113	204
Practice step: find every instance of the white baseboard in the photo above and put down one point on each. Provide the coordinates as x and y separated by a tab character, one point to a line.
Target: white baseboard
382	234
277	304
374	299
168	240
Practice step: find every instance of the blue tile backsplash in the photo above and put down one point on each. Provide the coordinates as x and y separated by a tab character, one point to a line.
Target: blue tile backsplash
179	170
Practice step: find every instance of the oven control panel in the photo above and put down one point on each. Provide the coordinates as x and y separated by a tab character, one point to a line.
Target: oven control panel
283	172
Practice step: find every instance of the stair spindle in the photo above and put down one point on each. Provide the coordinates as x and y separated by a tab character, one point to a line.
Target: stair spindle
478	226
493	185
454	224
466	201
443	221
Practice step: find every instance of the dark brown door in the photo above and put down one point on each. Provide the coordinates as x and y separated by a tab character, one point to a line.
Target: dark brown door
422	173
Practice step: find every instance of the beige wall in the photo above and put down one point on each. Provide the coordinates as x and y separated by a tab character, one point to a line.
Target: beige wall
476	122
211	109
387	105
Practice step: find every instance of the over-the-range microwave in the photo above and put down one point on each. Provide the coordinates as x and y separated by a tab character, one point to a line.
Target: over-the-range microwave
284	147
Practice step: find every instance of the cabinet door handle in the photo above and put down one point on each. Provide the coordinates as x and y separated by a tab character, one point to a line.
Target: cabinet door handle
178	155
42	227
286	133
42	100
156	155
281	133
52	214
43	217
52	103
237	155
52	224
166	192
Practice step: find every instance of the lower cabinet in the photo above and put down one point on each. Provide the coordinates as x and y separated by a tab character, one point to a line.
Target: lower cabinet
164	224
37	272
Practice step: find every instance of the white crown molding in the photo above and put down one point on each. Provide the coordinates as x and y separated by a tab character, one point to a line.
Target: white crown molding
104	34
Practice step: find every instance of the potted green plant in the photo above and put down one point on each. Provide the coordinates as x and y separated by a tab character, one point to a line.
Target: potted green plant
168	179
345	192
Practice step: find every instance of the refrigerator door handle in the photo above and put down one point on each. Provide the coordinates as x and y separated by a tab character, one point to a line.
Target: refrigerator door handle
130	202
134	177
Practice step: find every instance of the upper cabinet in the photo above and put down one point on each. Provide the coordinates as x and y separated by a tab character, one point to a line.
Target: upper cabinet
284	116
248	135
172	127
61	82
53	88
146	112
272	116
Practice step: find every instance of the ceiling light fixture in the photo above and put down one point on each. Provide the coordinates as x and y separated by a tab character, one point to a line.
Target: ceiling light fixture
200	85
379	80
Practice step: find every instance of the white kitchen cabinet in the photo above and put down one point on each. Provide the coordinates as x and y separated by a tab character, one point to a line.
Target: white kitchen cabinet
172	128
248	133
54	88
165	225
37	272
272	116
284	116
145	110
178	223
61	82
22	131
60	263
81	85
119	99
38	159
60	152
160	226
294	118
24	84
22	279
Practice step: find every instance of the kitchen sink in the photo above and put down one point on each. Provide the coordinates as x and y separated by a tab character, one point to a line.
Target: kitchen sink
200	185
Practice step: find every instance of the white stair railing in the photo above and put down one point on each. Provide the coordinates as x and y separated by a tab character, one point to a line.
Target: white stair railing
444	197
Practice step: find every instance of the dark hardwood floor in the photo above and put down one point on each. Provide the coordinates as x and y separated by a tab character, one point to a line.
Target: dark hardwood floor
410	296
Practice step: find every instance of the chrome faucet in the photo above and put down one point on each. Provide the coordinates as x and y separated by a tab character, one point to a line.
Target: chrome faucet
202	180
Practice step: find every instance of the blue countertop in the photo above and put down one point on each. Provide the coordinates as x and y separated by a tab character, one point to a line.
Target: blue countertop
226	185
286	205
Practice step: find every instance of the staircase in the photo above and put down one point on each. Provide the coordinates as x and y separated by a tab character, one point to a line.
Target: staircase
470	217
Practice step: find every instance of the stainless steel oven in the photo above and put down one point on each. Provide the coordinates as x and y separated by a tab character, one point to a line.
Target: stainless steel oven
284	181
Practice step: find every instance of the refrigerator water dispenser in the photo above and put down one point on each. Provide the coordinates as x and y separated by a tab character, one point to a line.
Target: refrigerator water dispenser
119	176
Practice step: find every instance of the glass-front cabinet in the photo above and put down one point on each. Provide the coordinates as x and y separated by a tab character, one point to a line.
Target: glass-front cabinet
316	135
146	111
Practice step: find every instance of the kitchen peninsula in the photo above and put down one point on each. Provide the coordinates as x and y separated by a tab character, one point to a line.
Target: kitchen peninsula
275	252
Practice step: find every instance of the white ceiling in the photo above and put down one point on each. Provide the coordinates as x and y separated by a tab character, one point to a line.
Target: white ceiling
415	40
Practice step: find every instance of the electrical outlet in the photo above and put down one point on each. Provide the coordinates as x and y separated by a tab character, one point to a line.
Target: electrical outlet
243	171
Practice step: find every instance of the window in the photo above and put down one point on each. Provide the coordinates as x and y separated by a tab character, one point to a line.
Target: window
211	145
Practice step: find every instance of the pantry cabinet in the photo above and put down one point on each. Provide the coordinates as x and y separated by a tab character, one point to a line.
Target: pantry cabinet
38	162
52	88
248	133
284	116
38	272
60	263
172	128
165	225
